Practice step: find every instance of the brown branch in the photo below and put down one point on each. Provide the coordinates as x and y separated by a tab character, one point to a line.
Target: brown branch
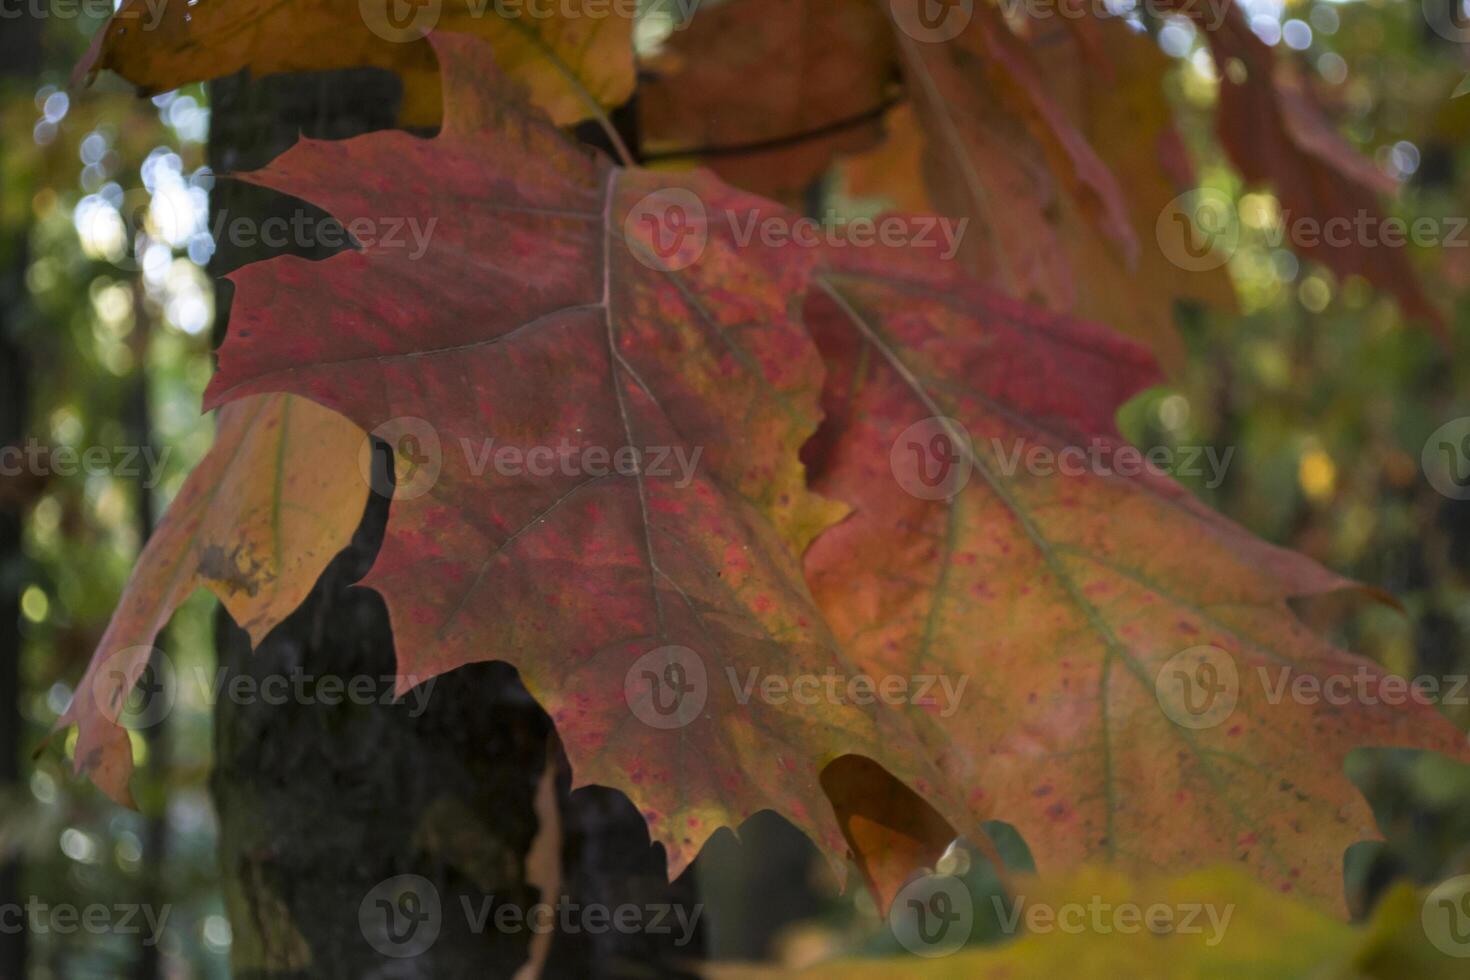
778	142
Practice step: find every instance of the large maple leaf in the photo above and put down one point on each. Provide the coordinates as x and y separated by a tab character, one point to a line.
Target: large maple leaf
277	496
549	318
1064	594
573	58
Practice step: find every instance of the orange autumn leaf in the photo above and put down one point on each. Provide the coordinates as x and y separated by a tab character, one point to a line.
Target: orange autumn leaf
894	169
1090	609
989	47
1028	236
981	162
573	60
1127	119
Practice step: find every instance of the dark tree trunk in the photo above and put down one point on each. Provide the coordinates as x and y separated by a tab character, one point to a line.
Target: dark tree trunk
138	422
20	64
320	804
14	398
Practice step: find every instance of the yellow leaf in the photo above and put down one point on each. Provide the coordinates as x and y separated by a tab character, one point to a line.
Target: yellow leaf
276	498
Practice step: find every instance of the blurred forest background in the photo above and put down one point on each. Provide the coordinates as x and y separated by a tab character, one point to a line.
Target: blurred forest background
106	316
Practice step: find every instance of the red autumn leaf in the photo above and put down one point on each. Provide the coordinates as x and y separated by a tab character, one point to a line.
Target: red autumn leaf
1082	604
548	315
760	71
